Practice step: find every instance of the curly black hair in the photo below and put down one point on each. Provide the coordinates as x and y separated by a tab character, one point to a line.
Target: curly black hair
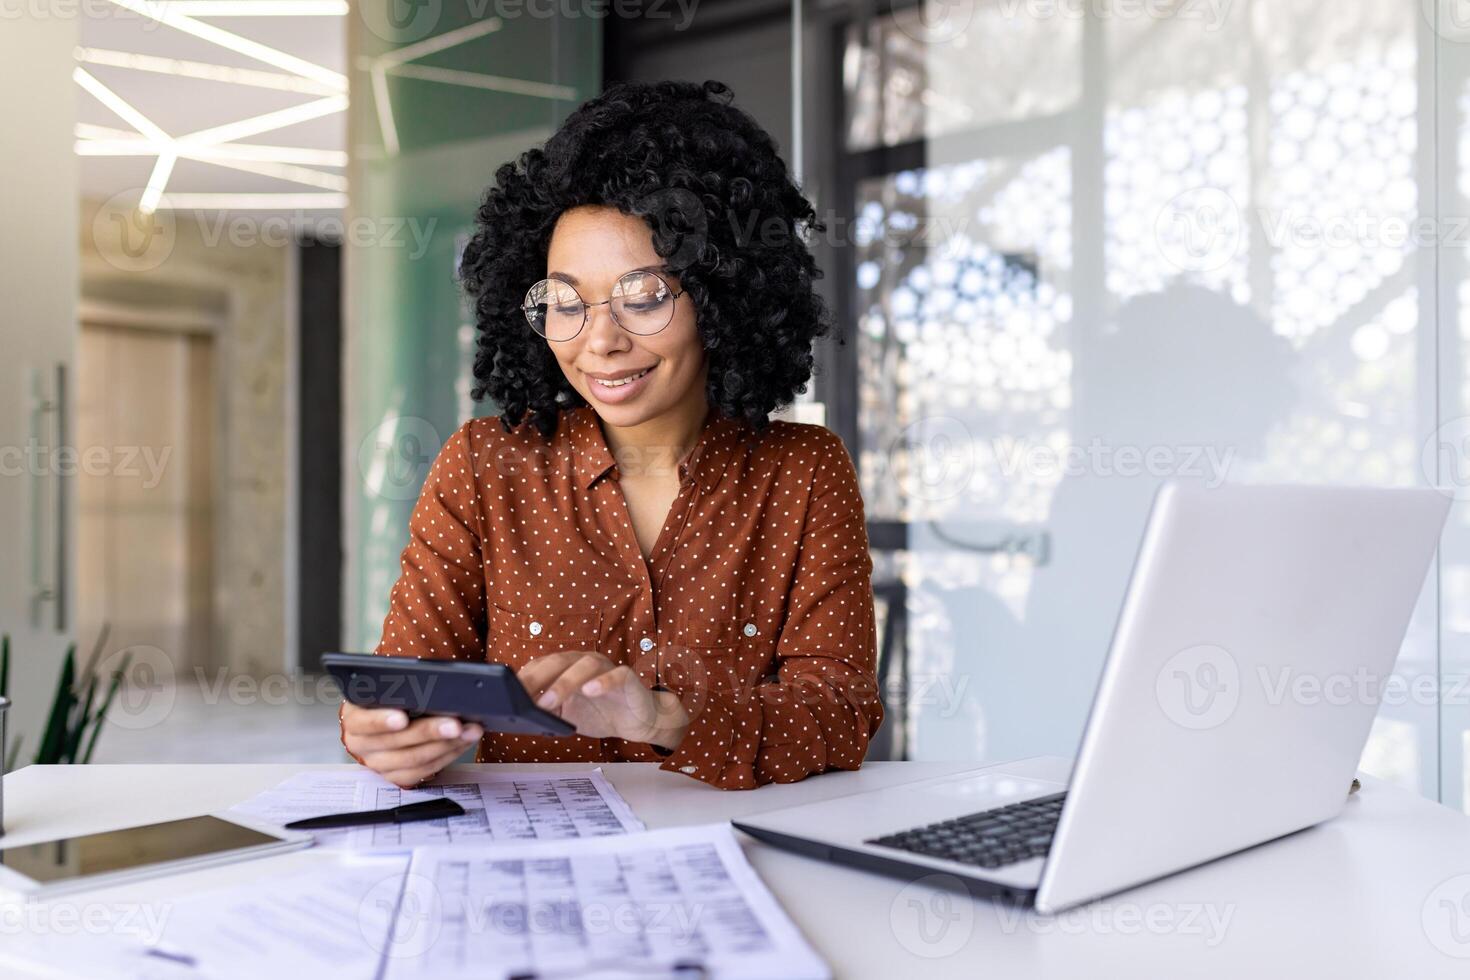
726	218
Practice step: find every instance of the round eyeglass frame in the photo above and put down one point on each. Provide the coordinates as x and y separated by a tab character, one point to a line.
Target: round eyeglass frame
527	306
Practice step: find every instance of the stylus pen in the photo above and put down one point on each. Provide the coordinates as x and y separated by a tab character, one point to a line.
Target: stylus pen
409	812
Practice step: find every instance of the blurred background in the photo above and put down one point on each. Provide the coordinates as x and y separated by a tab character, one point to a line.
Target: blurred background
1073	247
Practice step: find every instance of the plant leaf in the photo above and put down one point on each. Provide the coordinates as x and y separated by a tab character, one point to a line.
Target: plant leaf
85	689
76	716
54	737
14	753
90	671
117	677
79	727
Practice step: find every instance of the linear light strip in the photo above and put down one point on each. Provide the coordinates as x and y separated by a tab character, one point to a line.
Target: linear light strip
91	131
259	8
163	13
127	145
439	42
119	105
269	121
157	181
398	62
203	145
252	202
178	67
496	83
383	101
281	171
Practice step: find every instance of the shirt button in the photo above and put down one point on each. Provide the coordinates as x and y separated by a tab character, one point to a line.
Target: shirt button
750	629
535	628
645	644
687	769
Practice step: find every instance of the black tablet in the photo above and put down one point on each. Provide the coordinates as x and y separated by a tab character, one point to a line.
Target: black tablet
490	695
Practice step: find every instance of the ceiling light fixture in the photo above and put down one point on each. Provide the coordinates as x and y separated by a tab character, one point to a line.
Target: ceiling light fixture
164	13
119	105
92	143
253	202
494	83
259	8
269	121
281	171
264	165
216	145
181	68
157	181
379	67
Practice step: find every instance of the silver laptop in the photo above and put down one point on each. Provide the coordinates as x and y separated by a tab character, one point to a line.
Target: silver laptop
1203	738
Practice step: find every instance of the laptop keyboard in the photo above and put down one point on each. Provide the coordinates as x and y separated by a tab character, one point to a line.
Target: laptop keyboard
989	839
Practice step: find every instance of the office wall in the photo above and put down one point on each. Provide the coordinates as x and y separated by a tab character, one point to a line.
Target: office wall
438	103
38	332
241	294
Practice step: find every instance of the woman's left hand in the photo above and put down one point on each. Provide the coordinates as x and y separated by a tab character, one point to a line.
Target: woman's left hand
603	699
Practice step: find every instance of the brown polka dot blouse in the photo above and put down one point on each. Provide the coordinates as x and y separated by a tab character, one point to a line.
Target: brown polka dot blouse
755	606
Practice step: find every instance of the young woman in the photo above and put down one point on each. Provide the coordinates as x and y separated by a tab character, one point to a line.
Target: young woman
684	580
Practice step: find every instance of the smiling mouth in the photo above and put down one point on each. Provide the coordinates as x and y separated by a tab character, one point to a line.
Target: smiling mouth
621	381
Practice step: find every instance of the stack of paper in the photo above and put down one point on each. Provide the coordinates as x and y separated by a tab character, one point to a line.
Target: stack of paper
498	806
682	901
545	875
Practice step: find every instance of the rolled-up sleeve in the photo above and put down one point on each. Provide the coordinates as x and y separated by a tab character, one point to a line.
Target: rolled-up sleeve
821	707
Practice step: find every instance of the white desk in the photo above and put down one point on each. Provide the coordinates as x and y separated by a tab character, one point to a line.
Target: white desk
1374	893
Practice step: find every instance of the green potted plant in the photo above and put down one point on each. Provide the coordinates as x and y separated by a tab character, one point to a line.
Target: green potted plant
75	719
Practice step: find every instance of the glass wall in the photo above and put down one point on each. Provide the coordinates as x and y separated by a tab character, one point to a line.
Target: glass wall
1098	246
440	99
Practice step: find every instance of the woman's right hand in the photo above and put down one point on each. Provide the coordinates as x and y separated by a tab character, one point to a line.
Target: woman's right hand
403	752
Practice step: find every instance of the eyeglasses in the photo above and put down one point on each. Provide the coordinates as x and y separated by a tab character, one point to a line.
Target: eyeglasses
642	303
